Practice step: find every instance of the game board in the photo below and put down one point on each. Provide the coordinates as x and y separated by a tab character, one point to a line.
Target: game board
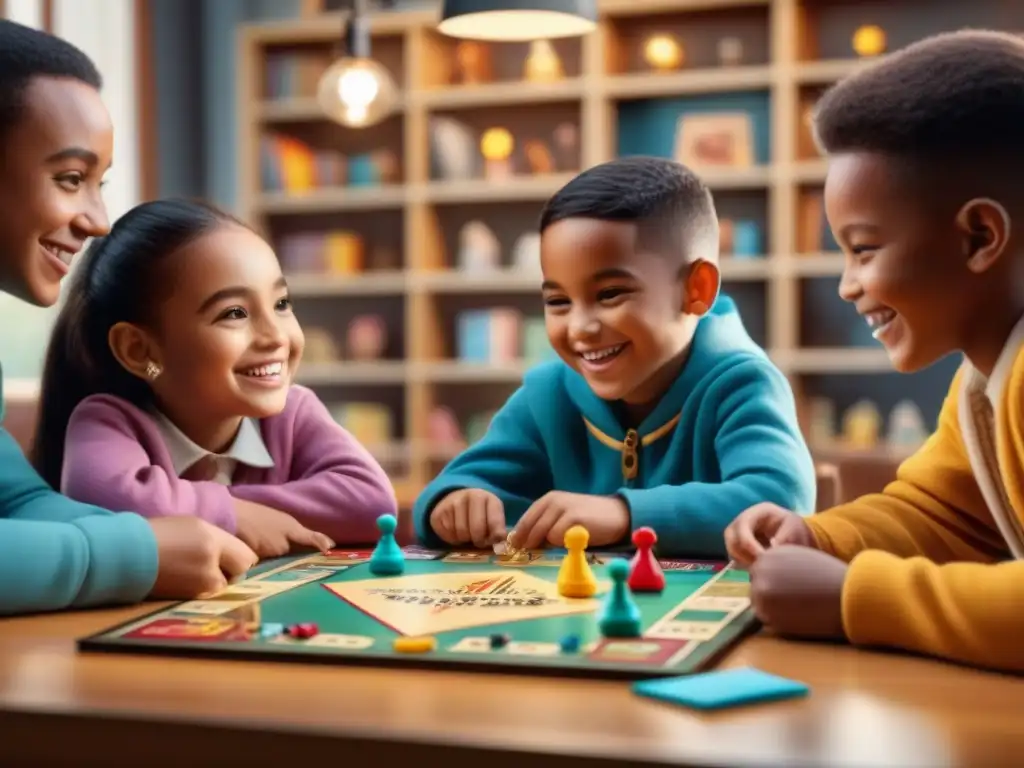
464	600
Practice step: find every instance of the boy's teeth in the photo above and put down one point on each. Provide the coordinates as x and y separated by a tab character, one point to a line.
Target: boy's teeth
601	354
265	370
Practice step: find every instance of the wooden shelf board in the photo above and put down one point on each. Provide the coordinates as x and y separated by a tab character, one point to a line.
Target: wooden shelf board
645	85
353	372
517	188
654	7
742	269
498	94
384	283
817	264
456	372
834	360
331	199
453	281
828	71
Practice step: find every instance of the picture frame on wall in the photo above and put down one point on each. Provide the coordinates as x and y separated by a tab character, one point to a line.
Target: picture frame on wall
718	140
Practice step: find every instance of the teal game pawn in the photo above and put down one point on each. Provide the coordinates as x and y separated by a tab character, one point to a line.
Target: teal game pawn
387	558
620	617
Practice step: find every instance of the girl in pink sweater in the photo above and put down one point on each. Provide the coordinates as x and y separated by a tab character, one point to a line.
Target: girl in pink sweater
168	390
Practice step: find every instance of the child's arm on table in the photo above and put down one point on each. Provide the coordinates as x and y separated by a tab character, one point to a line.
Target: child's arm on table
923	573
509	461
104	464
56	553
762	456
339	489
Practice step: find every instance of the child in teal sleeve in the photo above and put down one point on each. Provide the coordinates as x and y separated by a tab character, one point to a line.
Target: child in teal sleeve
56	143
662	411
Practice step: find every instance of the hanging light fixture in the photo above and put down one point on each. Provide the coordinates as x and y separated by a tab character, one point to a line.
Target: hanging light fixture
517	20
357	91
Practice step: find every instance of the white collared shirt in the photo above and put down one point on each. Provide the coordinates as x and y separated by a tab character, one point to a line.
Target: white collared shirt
247	448
979	408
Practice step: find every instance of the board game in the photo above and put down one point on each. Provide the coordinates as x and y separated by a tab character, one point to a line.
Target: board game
454	610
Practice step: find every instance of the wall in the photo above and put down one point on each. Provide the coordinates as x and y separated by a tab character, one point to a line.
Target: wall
104	29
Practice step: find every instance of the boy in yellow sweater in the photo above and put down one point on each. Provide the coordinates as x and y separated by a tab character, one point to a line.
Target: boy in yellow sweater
926	158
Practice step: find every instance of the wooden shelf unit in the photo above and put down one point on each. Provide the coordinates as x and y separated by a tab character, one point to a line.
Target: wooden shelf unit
407	42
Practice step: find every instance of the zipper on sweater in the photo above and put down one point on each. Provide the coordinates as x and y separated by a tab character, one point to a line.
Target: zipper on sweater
630	457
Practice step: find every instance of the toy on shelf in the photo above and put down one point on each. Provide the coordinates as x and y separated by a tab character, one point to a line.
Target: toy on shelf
366	337
862	425
730	51
443	428
747	240
663	52
536	345
320	346
526	253
496	146
906	425
479	248
869	40
542	64
538	157
822	421
385	161
370	423
452	150
566	146
473	63
344	253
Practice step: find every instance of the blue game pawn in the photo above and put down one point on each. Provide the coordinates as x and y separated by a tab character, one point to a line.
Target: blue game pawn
619	617
387	558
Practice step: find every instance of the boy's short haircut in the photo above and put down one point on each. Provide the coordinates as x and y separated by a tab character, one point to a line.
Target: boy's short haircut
672	208
953	102
27	53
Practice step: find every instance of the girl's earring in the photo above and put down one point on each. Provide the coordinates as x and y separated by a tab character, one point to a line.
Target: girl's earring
153	370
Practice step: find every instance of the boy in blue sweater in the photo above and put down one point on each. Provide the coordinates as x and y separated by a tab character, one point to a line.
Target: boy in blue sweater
56	143
662	411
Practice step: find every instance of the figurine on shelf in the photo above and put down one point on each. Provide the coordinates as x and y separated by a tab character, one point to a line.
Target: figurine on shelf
344	253
663	52
542	64
366	337
526	253
822	420
496	146
730	51
473	64
861	425
479	248
906	425
567	146
538	157
452	154
386	163
320	346
726	231
869	41
443	428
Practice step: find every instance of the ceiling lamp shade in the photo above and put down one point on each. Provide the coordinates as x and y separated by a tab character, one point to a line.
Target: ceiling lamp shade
517	20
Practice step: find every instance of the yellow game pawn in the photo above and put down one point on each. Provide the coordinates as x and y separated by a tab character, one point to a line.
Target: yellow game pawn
575	579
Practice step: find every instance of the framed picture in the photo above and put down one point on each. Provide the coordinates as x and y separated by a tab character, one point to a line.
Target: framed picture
724	140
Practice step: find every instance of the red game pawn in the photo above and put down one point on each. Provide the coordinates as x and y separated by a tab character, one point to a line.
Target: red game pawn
645	574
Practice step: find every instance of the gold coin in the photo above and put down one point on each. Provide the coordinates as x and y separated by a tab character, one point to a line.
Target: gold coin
414	644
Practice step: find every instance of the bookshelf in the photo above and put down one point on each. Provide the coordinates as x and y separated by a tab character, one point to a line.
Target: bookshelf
408	220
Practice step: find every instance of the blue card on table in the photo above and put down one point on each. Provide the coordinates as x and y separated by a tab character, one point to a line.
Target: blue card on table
716	690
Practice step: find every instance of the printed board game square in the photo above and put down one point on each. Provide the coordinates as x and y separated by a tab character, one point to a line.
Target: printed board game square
688	614
645	650
466	557
441	602
734	574
717	605
684	630
206	629
210	607
472	645
519	648
727	589
698	566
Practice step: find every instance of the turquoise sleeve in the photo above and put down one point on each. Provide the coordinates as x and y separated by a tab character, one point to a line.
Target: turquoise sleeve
56	553
510	461
763	458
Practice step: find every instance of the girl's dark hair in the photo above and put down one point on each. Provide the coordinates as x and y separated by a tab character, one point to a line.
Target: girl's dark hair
119	280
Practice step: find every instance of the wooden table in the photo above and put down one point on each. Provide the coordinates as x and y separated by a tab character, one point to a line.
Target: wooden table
59	707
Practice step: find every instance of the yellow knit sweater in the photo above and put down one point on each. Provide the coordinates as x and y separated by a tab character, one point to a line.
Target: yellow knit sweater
930	570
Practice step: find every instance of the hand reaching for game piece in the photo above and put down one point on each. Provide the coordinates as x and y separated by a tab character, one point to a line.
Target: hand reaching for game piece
763	526
606	519
196	558
469	515
272	533
798	592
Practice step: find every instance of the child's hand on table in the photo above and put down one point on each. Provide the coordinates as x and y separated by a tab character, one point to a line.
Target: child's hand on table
272	533
798	592
196	558
469	515
606	519
763	526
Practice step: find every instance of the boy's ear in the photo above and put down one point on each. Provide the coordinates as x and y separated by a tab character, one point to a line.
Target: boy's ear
985	225
700	287
133	349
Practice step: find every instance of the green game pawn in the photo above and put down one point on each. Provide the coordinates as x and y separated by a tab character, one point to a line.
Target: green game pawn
387	558
620	617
